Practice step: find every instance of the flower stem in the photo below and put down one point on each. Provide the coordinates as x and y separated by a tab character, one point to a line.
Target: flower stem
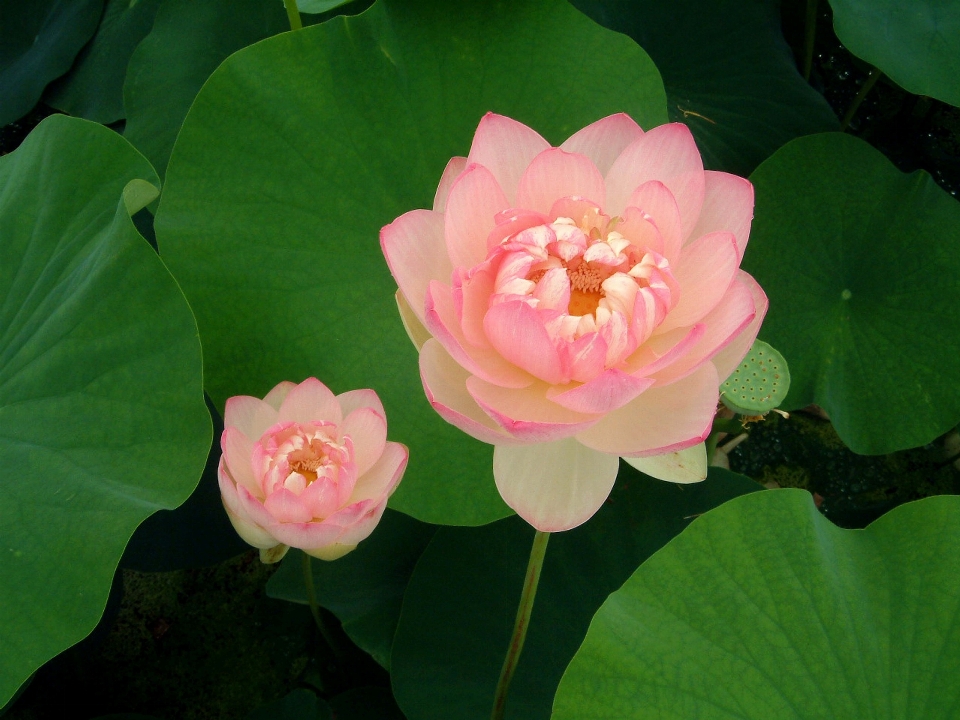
530	582
293	14
314	607
867	86
810	35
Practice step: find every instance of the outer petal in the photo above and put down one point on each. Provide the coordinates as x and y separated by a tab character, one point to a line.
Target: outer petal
606	392
554	174
368	430
306	535
662	419
250	415
727	205
526	414
379	481
666	153
505	147
237	451
412	323
310	401
683	466
445	383
727	359
554	486
331	552
604	140
249	531
454	167
416	253
706	269
276	396
517	333
356	399
472	206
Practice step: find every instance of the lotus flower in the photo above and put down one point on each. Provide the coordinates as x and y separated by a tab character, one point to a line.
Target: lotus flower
307	469
578	303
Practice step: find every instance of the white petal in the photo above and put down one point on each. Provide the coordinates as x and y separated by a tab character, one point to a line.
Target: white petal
683	466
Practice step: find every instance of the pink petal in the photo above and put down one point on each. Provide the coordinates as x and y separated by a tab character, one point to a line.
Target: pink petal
656	200
310	401
362	526
285	506
250	415
442	322
606	392
451	172
253	510
472	206
307	535
604	140
526	414
416	253
555	174
729	357
276	396
380	480
356	399
321	499
706	269
505	147
663	350
413	324
471	295
516	331
445	383
368	430
727	205
662	419
721	325
640	229
554	486
683	466
666	153
237	453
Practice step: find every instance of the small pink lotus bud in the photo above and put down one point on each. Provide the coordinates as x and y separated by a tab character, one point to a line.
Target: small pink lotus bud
306	468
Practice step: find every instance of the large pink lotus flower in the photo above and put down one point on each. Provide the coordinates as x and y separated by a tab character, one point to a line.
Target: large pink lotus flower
307	469
579	303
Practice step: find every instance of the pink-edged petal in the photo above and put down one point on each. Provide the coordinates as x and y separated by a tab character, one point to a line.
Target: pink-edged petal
584	358
368	430
445	383
662	419
250	533
727	205
526	414
722	325
640	229
663	350
356	399
609	391
310	401
442	322
361	526
380	480
656	200
554	486
250	415
306	536
275	397
604	140
505	147
683	466
471	295
254	509
416	253
705	271
451	172
472	206
667	153
729	357
417	333
321	499
554	174
237	453
285	506
516	331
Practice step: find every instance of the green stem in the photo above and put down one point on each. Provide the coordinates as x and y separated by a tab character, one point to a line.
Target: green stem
314	607
293	14
854	106
532	579
810	34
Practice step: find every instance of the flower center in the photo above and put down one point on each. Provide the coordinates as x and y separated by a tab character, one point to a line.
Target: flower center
298	455
585	289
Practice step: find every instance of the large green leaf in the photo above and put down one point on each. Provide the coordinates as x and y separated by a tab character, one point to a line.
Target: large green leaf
187	42
462	599
862	266
763	609
93	88
299	149
365	588
38	42
729	73
916	43
102	420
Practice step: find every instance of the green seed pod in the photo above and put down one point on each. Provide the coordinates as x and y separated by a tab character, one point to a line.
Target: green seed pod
760	382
